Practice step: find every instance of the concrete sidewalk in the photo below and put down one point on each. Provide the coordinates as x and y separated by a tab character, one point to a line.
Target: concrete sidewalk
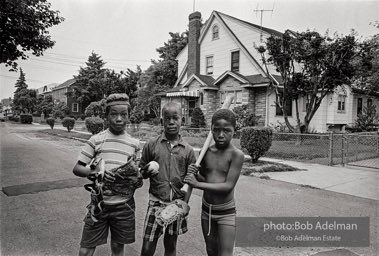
350	180
362	182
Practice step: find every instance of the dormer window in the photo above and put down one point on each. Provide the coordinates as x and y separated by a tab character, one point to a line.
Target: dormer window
215	32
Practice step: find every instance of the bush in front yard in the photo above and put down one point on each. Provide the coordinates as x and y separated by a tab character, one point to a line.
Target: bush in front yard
69	123
26	118
50	121
256	140
94	124
197	118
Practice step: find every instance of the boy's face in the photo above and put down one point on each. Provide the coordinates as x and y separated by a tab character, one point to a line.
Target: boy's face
223	132
117	118
172	120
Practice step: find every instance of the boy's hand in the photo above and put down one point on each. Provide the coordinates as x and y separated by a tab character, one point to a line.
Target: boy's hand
150	169
193	169
109	176
191	180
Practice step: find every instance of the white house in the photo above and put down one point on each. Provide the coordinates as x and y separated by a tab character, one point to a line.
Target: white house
221	58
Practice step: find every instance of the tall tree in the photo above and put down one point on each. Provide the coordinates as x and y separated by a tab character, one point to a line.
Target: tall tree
24	99
90	82
161	75
45	104
366	65
311	66
23	28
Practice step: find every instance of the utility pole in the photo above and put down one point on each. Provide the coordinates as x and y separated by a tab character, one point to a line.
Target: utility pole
261	11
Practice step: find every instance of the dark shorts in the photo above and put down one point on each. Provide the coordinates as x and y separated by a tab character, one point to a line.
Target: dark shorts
152	230
120	219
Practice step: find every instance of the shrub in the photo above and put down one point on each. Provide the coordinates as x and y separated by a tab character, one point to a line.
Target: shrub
94	109
256	140
50	121
245	117
26	118
69	123
94	124
198	119
366	121
136	116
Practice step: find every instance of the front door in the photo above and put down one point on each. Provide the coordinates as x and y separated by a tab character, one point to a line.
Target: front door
192	103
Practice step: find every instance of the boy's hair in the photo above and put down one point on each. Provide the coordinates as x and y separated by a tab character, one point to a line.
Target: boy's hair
225	114
171	104
116	99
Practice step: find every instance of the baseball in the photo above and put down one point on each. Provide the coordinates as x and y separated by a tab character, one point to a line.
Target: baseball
153	166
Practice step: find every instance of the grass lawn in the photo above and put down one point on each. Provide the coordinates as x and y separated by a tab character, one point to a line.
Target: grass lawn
66	134
249	168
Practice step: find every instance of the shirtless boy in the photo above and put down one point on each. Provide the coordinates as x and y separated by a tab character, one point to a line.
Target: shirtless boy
217	176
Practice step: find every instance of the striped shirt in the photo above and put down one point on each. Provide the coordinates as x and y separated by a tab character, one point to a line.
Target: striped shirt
115	150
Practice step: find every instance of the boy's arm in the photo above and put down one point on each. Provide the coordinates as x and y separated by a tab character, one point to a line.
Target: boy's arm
81	169
231	179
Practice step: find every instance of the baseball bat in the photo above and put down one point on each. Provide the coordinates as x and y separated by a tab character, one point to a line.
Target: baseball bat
187	188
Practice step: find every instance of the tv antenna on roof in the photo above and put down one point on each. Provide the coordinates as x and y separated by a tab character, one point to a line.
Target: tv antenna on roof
261	11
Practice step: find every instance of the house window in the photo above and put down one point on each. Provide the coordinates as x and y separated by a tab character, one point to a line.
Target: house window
75	107
237	96
209	65
201	98
235	64
215	34
341	103
369	102
359	106
288	107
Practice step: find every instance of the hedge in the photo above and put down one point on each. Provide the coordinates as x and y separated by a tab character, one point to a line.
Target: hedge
94	124
256	140
26	118
50	121
69	123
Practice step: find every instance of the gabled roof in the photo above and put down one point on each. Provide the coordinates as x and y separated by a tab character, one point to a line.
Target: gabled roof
65	84
205	81
250	80
267	30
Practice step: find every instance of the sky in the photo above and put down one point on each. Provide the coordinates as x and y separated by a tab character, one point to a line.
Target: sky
126	33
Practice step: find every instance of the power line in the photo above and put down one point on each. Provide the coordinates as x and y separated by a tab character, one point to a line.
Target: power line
28	79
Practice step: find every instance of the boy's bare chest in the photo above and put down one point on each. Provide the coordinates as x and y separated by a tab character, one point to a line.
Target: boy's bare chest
215	162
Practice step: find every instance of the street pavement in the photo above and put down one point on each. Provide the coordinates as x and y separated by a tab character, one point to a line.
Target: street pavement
49	222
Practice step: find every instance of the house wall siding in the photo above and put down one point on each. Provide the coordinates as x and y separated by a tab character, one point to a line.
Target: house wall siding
221	50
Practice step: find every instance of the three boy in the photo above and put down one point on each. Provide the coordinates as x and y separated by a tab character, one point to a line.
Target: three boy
217	176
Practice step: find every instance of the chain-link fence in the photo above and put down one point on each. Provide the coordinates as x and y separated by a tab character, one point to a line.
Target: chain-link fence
327	149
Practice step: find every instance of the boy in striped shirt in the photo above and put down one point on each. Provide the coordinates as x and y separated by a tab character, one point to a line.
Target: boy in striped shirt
115	147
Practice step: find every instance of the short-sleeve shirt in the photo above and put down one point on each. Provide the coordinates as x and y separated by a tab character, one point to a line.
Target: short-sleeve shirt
173	163
115	150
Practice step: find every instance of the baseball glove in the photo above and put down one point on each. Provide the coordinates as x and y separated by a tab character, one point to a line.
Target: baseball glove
176	210
128	179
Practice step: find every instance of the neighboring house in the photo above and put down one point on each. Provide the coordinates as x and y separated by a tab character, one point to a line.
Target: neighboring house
6	107
221	58
62	93
46	89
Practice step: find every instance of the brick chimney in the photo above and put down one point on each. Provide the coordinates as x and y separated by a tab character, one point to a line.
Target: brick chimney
193	43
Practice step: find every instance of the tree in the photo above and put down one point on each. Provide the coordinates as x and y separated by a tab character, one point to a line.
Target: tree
311	66
45	104
89	85
366	65
24	99
161	75
24	25
94	82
